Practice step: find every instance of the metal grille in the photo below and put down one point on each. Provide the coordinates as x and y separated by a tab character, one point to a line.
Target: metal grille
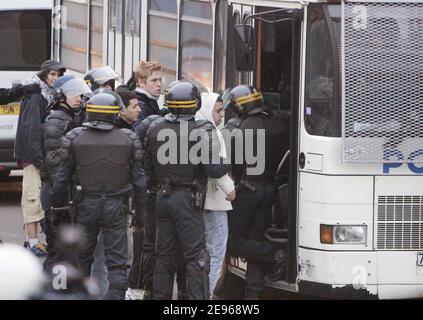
383	84
399	223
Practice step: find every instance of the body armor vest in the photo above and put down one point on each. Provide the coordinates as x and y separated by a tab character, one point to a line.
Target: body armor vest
179	167
276	141
102	159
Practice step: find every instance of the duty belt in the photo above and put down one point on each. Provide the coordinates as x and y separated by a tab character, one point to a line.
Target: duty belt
258	178
177	184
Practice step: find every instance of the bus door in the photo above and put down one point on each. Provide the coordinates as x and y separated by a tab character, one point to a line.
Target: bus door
273	56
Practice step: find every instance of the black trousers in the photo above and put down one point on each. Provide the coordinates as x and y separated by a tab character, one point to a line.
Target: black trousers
105	214
51	231
180	228
247	225
150	249
136	274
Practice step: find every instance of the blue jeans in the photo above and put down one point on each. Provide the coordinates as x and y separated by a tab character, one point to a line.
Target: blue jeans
216	224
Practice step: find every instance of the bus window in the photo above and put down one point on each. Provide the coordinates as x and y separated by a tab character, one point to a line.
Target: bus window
164	5
96	36
25	39
275	63
197	42
323	103
162	46
221	35
74	38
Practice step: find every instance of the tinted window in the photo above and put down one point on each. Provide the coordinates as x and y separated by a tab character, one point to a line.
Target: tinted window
197	43
25	38
323	102
199	9
164	5
162	45
74	37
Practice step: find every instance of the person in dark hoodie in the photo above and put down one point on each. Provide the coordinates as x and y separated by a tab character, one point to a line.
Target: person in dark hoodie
148	77
106	163
28	148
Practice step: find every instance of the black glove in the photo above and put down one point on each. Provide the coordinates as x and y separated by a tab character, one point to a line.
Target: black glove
22	90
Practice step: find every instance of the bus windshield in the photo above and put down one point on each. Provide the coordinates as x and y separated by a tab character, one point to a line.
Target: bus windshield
25	38
323	90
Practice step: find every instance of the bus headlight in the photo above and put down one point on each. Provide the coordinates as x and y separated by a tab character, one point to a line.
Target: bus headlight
343	234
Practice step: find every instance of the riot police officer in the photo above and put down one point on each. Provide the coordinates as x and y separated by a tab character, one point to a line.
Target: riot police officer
106	164
103	77
99	78
182	181
255	189
62	119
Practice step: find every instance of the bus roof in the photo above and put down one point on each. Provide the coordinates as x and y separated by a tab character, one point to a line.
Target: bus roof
280	3
25	5
296	4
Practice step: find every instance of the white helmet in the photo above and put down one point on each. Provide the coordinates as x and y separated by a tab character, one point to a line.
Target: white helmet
21	274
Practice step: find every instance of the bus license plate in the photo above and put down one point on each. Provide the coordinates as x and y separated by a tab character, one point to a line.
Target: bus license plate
420	258
9	110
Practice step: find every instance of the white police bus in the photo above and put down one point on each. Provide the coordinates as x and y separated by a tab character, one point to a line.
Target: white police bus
349	73
26	41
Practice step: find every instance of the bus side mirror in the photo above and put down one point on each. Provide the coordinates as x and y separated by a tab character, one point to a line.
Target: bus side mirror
244	47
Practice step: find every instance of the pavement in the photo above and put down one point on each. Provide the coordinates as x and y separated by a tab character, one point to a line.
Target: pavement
11	227
11	220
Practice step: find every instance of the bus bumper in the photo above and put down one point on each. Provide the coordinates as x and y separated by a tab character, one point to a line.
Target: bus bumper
360	274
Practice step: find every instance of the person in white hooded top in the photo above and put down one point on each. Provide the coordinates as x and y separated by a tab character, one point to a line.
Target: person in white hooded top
220	193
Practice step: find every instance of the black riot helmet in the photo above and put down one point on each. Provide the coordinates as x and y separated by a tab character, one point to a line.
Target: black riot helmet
242	99
182	98
109	91
104	106
100	77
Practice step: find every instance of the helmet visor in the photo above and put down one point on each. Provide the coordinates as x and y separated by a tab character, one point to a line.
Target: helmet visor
226	99
75	87
104	74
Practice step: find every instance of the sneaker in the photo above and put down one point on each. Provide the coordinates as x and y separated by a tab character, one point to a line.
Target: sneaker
39	249
134	294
